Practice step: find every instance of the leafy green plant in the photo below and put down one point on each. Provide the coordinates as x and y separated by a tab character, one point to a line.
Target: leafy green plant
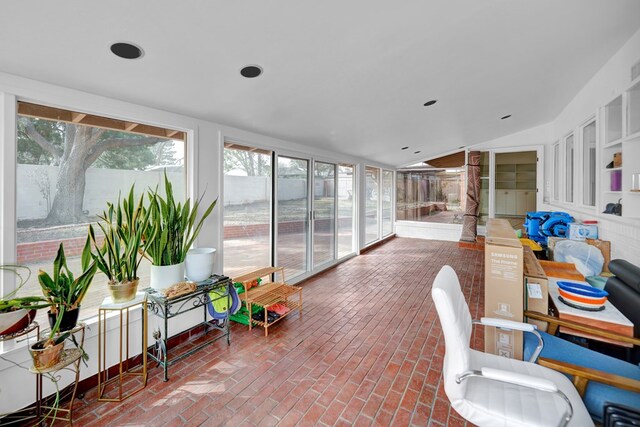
10	302
173	227
123	226
64	291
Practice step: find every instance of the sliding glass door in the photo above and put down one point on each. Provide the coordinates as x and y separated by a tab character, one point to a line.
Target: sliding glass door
292	215
311	218
345	199
324	213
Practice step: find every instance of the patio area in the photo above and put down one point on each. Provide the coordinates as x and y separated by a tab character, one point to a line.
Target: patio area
368	350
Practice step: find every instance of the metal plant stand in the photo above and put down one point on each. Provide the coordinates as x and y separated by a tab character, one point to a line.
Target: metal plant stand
124	370
167	308
70	361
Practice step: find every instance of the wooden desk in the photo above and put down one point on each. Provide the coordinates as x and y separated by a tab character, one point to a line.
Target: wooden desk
609	319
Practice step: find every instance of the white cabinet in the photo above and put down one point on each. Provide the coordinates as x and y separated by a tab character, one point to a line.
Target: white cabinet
516	187
505	202
525	201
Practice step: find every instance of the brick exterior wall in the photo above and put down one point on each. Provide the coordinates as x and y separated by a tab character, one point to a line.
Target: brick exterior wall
46	251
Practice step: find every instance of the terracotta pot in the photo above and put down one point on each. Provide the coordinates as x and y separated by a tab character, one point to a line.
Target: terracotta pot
44	358
15	321
69	319
124	291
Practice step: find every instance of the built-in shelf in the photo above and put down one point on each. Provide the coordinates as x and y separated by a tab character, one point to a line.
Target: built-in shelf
619	168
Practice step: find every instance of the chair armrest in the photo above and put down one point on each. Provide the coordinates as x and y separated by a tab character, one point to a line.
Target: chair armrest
582	328
588	374
517	326
506	324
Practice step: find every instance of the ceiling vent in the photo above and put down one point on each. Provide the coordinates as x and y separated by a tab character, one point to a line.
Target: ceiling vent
635	71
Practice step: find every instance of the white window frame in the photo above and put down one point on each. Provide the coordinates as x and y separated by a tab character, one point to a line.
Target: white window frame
573	171
556	179
580	163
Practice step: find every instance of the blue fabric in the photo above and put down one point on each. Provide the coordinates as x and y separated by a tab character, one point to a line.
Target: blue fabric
597	394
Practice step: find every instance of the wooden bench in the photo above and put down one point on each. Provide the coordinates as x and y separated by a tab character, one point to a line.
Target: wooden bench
268	294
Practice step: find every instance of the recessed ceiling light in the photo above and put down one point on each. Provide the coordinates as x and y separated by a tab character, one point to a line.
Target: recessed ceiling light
251	71
404	148
428	103
127	50
416	152
505	117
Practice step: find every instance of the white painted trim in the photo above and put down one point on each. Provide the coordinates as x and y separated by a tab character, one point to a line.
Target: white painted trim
428	230
7	189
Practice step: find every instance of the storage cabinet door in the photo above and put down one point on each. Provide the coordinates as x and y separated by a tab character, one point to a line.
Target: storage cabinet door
505	202
525	201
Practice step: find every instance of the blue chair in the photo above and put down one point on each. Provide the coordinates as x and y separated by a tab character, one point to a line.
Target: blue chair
599	379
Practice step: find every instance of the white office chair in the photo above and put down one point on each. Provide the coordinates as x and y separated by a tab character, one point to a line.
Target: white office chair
490	390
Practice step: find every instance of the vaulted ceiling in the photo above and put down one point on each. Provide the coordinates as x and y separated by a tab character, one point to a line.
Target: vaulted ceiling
348	76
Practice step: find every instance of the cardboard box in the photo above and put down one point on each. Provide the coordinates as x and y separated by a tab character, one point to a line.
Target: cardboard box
617	160
561	270
536	287
503	287
583	231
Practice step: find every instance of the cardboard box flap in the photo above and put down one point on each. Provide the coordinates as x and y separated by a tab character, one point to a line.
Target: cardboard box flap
532	267
500	232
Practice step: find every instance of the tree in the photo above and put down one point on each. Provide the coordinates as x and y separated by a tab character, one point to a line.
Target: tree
253	163
74	148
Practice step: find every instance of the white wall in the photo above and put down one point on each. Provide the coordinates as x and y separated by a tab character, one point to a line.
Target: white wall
610	81
205	166
101	185
613	78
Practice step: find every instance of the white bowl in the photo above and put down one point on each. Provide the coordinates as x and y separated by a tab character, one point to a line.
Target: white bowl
14	321
199	263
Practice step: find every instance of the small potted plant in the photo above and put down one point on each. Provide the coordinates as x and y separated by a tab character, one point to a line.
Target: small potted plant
64	291
48	351
173	227
119	255
16	313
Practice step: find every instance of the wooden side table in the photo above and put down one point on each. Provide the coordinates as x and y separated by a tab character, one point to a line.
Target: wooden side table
121	310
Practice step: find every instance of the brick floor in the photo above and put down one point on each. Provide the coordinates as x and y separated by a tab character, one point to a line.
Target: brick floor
368	350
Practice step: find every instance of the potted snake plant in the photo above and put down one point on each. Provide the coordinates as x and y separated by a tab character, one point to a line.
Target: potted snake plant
64	291
173	227
119	255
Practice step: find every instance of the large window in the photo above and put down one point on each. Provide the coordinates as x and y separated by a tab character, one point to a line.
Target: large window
247	209
372	191
569	161
387	202
589	164
430	195
69	165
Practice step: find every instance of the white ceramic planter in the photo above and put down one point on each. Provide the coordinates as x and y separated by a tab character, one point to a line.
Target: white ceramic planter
164	276
200	263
